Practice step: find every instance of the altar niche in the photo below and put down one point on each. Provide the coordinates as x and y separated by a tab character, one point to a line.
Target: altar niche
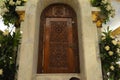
58	40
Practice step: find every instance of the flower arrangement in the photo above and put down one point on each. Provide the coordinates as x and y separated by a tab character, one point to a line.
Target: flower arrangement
107	10
110	56
9	41
8	12
8	54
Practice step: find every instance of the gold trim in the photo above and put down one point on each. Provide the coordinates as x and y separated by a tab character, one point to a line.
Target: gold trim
21	14
116	32
96	18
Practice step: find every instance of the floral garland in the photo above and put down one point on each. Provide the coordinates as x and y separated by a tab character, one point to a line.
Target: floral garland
8	54
9	41
110	56
8	12
107	10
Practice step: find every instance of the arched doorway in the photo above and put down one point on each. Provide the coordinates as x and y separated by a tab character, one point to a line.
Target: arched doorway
58	40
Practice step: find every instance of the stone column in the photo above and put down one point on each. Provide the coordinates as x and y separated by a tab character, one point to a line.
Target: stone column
28	51
91	68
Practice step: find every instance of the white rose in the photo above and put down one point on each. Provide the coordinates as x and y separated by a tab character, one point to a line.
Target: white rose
21	32
118	54
118	43
112	37
119	65
5	1
112	68
12	2
104	1
114	42
107	48
18	2
110	53
1	12
1	71
112	13
5	10
108	73
2	4
118	50
6	32
103	38
10	57
108	7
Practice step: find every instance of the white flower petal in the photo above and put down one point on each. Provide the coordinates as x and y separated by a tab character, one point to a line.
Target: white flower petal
107	48
1	71
112	68
6	32
114	42
110	53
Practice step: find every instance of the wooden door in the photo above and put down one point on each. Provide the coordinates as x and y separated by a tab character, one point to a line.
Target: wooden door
58	41
58	52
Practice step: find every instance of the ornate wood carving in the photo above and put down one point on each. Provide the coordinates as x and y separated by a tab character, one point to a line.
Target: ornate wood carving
57	53
58	31
58	45
58	11
58	56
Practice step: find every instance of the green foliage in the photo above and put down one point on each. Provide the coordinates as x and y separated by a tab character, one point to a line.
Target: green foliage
110	56
11	17
8	54
95	3
9	14
9	43
106	9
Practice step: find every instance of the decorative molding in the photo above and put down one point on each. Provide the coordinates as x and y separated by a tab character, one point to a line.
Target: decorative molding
116	32
59	11
21	11
96	17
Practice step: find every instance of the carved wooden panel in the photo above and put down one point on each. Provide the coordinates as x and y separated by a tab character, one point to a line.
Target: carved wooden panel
58	43
59	11
58	55
58	31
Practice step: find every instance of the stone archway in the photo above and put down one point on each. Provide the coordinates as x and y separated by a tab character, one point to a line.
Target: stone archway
87	40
